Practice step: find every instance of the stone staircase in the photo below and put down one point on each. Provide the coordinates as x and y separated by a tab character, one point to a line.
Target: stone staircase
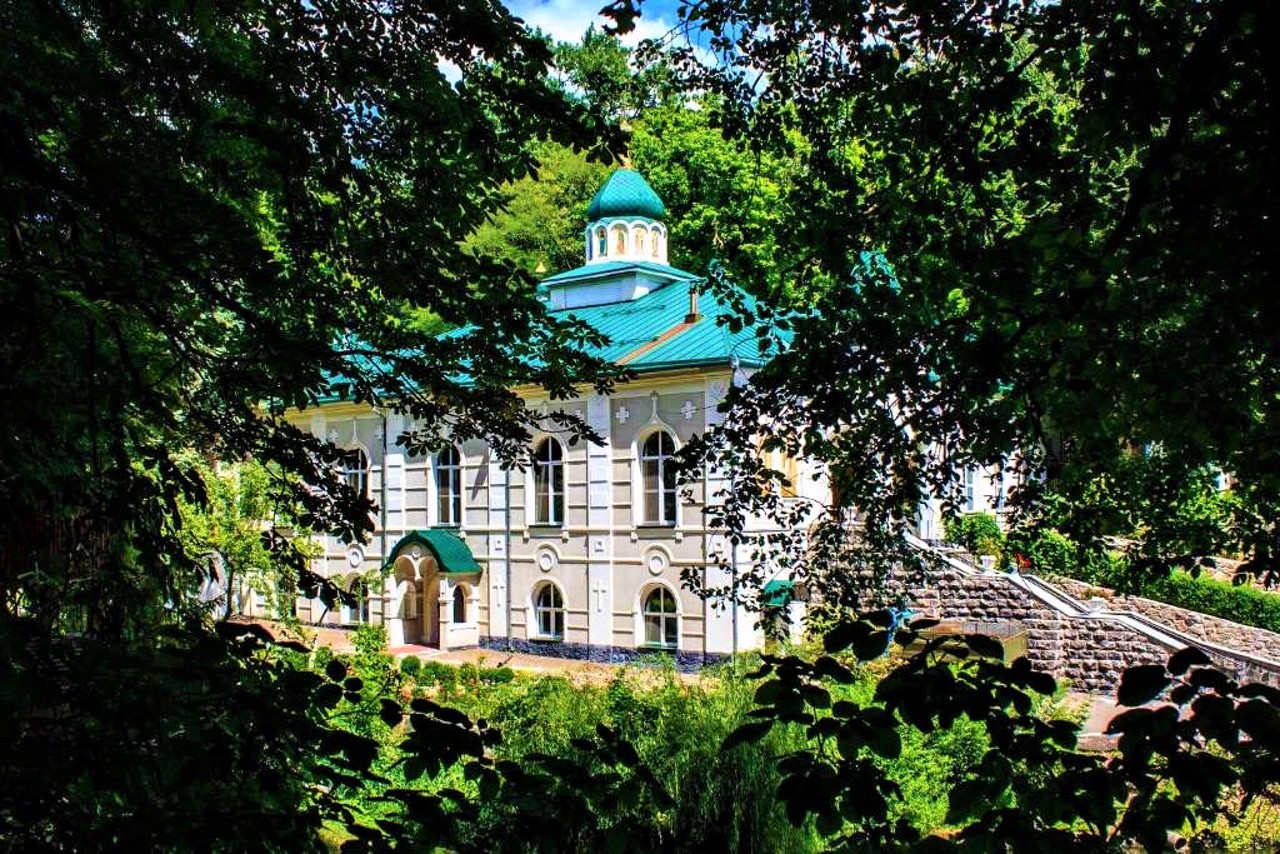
1090	643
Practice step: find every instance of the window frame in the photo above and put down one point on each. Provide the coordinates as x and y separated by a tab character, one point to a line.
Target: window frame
546	472
458	601
667	622
454	495
356	452
663	492
555	610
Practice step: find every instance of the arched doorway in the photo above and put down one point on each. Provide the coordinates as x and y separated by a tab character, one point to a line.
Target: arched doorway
433	581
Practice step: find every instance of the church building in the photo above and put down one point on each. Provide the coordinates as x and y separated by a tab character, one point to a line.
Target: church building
581	554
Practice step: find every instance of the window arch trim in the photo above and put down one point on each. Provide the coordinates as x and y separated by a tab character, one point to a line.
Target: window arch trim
657	625
547	617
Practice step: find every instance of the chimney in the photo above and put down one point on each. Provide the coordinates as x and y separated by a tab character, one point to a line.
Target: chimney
693	316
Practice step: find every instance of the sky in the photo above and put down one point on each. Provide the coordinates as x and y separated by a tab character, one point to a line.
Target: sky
567	20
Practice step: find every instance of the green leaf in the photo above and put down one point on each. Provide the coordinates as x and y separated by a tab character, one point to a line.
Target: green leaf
842	637
1141	684
985	646
831	669
390	712
1186	658
747	733
965	800
328	695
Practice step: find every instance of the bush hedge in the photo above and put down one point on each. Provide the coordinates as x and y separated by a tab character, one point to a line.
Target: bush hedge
979	533
1241	604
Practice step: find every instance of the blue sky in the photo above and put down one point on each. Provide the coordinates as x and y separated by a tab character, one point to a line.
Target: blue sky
567	20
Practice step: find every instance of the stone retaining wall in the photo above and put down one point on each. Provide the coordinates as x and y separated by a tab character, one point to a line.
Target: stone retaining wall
1213	629
1090	653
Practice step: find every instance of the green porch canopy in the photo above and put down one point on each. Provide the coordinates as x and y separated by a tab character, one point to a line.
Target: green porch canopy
451	553
777	593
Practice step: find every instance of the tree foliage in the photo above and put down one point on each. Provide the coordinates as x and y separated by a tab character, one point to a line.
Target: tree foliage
1056	217
541	226
216	211
1177	759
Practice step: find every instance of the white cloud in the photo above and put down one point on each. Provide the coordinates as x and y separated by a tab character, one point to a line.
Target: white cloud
567	20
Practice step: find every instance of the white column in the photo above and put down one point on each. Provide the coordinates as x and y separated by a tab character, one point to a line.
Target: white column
600	580
497	548
718	621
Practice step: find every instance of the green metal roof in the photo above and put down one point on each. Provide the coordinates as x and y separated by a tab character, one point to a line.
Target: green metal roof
626	194
451	553
777	593
609	269
649	333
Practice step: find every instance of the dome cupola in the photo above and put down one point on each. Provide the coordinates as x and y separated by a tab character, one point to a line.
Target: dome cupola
624	221
626	194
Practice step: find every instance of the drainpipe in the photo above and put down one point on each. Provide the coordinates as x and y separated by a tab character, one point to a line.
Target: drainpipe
506	548
734	365
382	512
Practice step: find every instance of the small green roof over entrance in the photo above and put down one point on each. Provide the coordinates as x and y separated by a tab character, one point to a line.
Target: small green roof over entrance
626	194
777	593
450	552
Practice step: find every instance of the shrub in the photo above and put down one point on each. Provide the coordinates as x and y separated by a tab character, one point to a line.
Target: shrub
438	673
321	657
410	665
979	533
370	639
497	675
1053	554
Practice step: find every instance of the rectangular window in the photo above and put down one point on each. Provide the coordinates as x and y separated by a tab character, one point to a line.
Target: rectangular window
653	633
452	513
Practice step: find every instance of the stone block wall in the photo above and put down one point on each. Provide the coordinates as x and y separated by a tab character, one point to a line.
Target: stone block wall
1090	653
1213	629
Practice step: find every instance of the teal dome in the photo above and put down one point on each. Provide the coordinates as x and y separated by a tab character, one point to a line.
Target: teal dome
626	194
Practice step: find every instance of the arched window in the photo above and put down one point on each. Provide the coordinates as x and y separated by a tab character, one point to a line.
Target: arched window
659	476
548	611
602	242
459	604
590	245
355	471
656	246
638	238
619	240
661	622
449	486
361	611
548	483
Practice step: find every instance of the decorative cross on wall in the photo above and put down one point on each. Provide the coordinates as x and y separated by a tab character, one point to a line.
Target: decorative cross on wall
623	415
600	590
687	410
